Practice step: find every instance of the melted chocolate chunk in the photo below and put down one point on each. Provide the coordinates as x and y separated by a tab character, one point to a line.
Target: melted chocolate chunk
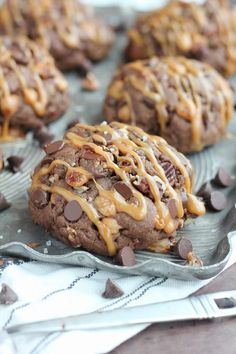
123	189
183	247
54	147
173	209
3	203
125	257
39	198
222	178
73	211
7	295
73	123
216	201
112	290
14	163
43	135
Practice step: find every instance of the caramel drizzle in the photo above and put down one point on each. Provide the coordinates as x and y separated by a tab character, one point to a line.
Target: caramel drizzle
125	145
186	74
179	27
65	17
35	97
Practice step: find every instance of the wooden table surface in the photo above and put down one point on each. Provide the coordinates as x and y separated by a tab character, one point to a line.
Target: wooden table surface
189	337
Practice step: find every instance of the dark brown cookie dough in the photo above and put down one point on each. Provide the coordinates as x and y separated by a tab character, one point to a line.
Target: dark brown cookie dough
73	35
33	91
184	100
109	186
204	32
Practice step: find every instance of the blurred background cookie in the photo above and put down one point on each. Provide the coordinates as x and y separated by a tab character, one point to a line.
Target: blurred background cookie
33	91
70	31
184	100
201	31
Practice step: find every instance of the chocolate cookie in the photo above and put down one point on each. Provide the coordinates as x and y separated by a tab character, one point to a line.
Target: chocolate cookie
200	31
73	35
105	187
185	101
33	91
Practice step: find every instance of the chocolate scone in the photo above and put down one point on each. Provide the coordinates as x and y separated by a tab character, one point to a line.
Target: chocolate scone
108	186
185	101
69	30
204	32
33	91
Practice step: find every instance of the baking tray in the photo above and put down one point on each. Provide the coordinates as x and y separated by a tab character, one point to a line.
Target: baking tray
210	235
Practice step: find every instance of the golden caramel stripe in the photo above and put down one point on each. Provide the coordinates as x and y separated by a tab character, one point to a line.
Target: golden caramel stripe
89	210
54	163
137	212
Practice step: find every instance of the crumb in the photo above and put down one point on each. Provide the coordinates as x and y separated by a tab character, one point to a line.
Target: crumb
90	83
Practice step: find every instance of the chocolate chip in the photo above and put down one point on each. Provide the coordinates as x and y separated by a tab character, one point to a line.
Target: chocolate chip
225	303
90	83
7	295
107	136
125	257
184	198
73	123
222	178
85	66
54	147
112	290
39	198
47	160
170	171
14	163
205	190
3	203
118	25
73	211
43	135
111	101
173	209
19	56
150	103
123	189
183	247
216	201
91	155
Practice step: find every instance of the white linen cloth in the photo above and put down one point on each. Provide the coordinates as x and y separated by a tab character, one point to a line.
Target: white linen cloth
50	290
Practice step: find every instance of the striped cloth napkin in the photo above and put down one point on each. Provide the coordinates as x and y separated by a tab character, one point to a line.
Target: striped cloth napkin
50	290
